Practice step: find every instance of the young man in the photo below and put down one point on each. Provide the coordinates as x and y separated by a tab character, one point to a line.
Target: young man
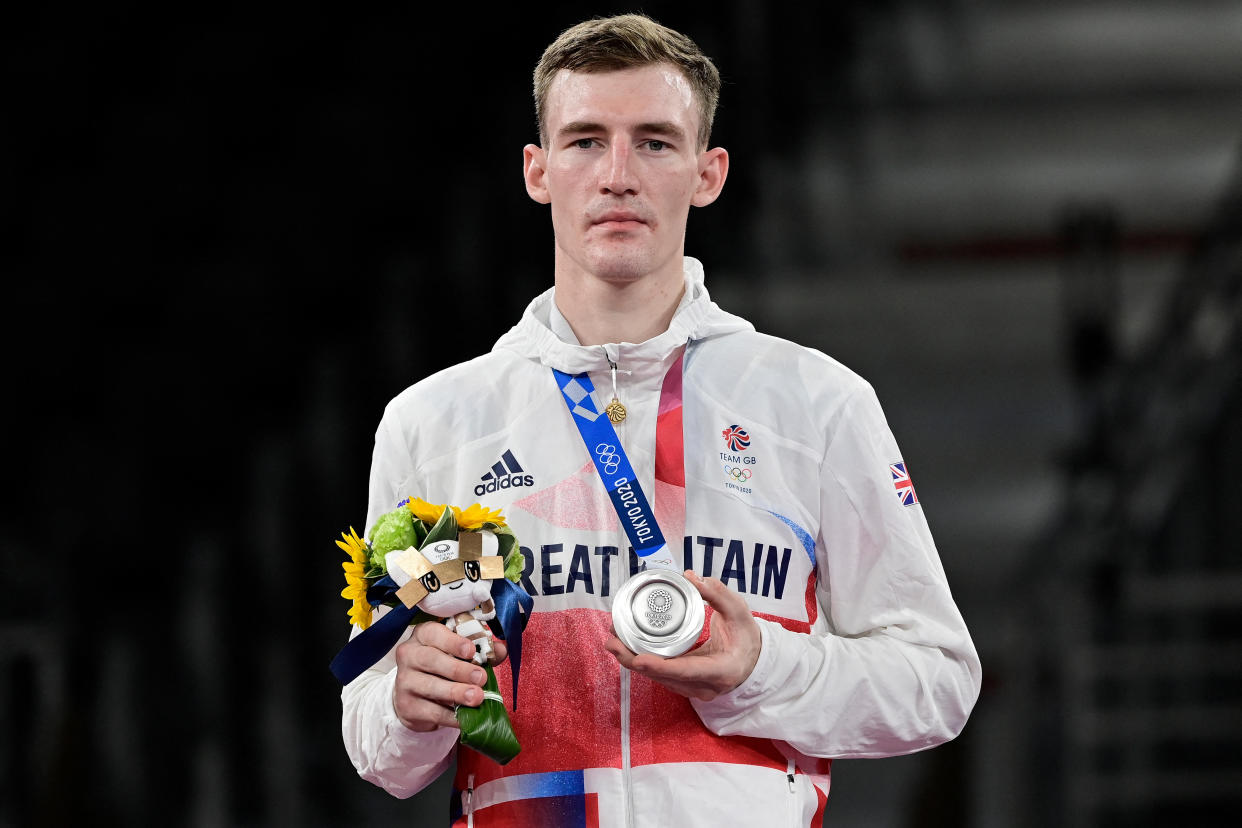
772	472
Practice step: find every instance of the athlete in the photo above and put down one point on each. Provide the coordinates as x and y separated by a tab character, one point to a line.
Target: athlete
771	470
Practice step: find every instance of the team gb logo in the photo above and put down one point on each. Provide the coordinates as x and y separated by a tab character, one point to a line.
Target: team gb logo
736	438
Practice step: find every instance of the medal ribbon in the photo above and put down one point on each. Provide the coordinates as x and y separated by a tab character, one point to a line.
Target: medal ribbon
616	473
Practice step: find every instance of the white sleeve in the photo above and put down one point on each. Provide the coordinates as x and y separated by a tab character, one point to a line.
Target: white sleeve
889	668
382	749
392	468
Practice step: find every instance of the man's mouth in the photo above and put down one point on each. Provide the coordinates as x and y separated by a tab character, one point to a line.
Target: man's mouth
618	220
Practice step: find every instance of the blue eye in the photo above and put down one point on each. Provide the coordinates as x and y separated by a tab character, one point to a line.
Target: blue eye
657	145
584	143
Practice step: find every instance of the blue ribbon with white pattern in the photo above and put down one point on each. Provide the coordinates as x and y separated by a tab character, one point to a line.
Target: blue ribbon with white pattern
608	455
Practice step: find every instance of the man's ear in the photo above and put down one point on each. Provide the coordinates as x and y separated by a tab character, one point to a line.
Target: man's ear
713	170
534	161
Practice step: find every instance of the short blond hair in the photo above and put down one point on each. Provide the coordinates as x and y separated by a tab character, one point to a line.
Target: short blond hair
607	44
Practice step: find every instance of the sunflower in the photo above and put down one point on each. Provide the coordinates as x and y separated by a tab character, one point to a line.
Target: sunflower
428	513
475	516
355	580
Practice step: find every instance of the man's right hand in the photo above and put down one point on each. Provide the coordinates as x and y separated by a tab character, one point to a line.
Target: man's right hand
435	674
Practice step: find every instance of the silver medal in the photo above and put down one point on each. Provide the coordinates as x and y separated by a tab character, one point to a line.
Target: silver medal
658	612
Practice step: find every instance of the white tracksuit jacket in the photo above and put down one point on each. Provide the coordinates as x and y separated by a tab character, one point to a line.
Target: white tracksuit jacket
864	652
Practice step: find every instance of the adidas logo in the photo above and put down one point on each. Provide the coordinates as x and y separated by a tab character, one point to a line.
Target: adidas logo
506	473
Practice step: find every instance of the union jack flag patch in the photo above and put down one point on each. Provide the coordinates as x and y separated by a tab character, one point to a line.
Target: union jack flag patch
903	484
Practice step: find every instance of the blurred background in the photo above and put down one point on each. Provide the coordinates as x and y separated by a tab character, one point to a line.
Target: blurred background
232	234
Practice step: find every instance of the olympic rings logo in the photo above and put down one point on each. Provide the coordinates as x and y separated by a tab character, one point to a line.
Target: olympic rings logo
608	458
739	474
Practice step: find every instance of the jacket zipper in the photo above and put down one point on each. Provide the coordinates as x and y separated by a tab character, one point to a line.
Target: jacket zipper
626	781
790	771
626	774
468	796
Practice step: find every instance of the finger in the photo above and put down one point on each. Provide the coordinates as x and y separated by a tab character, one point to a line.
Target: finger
443	639
689	667
722	599
500	651
694	675
429	660
422	714
437	689
619	651
717	670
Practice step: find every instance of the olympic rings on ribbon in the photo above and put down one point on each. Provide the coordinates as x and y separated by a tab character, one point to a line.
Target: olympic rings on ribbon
608	457
737	473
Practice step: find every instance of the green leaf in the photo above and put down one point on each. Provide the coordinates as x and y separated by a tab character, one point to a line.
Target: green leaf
509	550
487	728
505	544
515	564
445	529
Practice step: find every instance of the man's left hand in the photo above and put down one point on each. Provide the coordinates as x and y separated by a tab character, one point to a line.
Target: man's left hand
724	661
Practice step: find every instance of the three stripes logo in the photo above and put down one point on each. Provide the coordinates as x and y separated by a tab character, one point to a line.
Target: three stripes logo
506	473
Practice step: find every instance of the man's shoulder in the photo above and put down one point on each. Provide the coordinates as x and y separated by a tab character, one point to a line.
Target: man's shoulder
474	381
760	357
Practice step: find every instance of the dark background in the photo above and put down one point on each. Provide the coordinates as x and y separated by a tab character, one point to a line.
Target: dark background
233	234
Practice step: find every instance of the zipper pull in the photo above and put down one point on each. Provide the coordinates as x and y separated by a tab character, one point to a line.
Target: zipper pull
615	410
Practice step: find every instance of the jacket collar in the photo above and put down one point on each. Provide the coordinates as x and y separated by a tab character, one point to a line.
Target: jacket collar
697	317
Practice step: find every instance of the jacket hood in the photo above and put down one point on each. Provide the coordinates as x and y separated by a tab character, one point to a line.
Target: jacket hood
698	317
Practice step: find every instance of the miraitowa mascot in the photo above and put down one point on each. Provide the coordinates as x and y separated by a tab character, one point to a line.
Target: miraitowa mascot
454	579
427	570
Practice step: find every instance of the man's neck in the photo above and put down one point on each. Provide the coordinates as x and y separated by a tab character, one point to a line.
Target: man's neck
600	312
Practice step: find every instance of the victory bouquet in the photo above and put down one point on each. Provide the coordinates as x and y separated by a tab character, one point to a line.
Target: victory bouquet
440	564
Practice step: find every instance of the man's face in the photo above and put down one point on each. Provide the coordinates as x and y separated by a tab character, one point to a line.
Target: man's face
621	168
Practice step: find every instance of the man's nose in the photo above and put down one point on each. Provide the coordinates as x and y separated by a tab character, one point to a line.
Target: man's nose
618	174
